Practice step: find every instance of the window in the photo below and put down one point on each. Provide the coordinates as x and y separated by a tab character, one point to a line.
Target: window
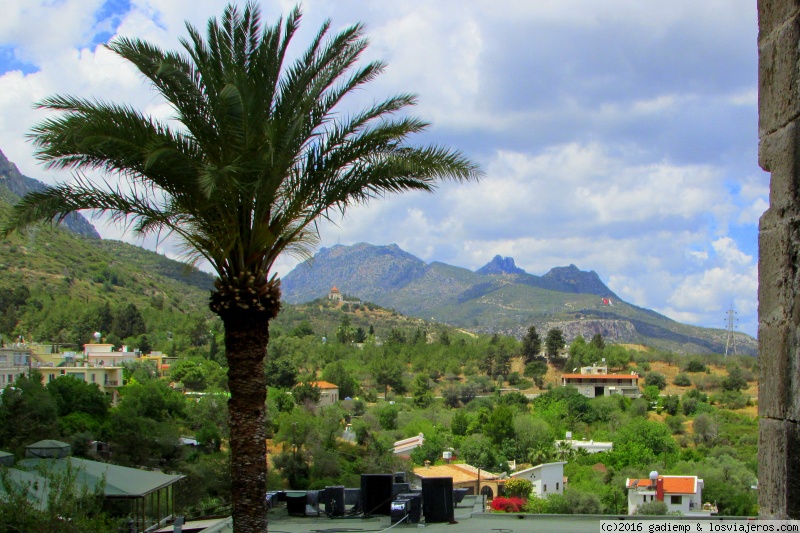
94	378
556	486
676	500
544	488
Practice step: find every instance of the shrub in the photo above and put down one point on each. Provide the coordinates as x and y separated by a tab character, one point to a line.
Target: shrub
732	399
682	380
508	505
707	382
675	424
520	488
656	379
695	366
652	508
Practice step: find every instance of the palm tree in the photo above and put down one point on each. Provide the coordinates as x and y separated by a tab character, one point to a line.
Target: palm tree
254	156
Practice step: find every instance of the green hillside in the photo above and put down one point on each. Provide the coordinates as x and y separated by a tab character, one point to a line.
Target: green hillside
506	300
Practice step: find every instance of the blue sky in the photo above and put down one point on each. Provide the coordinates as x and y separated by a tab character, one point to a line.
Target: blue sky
620	136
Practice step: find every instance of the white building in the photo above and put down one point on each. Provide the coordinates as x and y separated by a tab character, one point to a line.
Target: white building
682	494
589	446
405	446
547	478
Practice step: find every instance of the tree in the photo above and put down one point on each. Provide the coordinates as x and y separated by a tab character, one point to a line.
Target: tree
388	373
734	381
531	345
554	342
281	372
598	342
128	322
260	154
75	395
500	426
656	379
421	391
27	413
337	374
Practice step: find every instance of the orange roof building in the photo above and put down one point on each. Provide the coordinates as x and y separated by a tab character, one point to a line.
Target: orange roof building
594	381
328	392
335	294
683	494
464	476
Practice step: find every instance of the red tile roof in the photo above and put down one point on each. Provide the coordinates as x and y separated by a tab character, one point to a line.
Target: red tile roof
324	385
672	484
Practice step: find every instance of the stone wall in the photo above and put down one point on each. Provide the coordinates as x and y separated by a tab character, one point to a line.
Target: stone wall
779	259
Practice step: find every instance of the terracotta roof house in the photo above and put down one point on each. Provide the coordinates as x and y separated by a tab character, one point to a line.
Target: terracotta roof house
329	392
594	381
475	480
683	494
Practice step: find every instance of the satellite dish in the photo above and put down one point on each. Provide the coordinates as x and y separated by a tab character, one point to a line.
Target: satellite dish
97	335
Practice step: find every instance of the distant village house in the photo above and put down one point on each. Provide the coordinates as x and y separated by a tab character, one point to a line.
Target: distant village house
594	381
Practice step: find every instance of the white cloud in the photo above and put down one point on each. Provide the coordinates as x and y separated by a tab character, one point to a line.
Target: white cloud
619	136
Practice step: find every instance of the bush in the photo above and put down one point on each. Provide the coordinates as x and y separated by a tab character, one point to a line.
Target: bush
508	505
652	508
682	380
732	399
656	379
675	424
519	488
695	366
707	382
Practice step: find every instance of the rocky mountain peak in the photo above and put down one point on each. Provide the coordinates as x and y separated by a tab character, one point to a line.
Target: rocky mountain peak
500	265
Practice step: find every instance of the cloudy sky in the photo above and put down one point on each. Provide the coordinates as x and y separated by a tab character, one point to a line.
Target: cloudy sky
617	135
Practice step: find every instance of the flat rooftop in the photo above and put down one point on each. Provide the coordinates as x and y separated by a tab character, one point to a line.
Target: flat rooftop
469	515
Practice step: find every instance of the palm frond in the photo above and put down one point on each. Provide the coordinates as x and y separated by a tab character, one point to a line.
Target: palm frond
261	152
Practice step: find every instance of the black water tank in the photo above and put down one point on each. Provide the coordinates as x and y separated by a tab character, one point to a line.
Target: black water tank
296	502
400	510
415	506
437	499
333	499
376	494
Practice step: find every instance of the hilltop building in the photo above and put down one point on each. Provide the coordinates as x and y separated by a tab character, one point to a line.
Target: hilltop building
594	381
335	295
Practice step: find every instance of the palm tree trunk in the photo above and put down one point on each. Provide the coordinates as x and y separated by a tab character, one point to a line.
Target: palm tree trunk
246	339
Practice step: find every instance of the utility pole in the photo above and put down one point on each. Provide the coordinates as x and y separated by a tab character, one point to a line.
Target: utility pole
730	337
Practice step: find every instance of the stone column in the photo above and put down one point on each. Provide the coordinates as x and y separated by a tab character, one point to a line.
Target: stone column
779	259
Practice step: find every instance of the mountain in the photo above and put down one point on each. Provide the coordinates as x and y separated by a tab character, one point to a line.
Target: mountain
499	297
19	185
500	265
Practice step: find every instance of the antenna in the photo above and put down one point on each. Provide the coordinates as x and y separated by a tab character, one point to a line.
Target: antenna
730	337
